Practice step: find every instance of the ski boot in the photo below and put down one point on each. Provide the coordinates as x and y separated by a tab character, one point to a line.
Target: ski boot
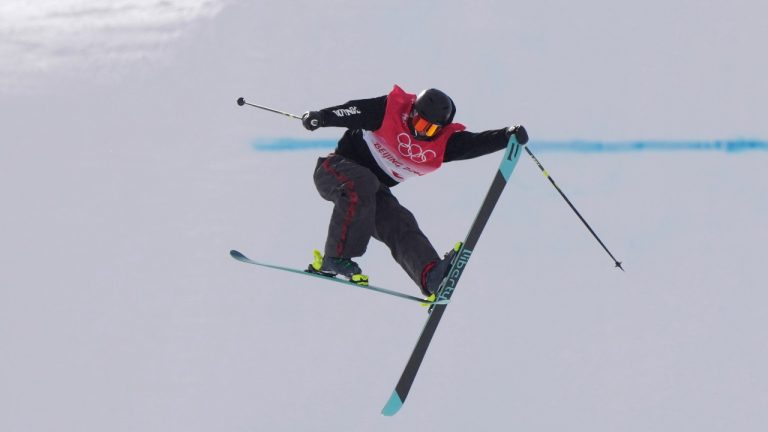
332	266
435	272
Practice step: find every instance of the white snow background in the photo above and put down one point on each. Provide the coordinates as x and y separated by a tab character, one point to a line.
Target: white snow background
127	174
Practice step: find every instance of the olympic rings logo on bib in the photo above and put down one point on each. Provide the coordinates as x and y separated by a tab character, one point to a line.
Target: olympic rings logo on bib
413	151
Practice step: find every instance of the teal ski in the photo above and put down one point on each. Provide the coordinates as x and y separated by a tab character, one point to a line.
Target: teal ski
448	284
240	257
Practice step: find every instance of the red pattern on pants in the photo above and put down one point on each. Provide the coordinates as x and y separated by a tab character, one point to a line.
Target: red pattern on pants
352	203
365	208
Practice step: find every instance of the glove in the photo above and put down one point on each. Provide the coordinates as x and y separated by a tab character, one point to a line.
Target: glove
312	120
521	135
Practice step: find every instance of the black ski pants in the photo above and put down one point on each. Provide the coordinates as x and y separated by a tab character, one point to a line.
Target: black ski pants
365	208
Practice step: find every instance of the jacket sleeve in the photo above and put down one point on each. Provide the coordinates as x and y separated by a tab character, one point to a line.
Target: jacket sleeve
467	145
356	114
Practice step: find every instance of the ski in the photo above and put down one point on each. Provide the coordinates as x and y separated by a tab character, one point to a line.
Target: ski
448	285
242	258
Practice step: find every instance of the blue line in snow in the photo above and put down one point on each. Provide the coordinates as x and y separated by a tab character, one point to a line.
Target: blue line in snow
574	146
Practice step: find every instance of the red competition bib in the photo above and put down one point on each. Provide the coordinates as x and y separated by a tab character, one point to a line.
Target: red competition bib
399	153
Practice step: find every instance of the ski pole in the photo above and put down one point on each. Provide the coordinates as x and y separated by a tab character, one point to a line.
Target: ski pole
241	102
551	180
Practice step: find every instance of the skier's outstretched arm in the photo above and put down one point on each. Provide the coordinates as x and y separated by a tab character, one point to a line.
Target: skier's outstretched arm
355	114
467	145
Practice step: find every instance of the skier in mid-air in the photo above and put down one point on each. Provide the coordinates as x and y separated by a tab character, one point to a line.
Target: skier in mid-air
389	139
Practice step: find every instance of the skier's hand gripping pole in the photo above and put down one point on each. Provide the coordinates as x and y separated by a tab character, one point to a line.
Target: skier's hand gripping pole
311	120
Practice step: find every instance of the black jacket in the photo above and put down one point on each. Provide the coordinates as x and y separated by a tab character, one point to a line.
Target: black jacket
367	114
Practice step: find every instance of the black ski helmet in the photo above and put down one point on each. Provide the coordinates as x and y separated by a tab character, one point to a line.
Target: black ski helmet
435	106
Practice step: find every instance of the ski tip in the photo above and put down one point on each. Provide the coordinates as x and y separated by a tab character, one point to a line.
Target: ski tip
236	255
393	405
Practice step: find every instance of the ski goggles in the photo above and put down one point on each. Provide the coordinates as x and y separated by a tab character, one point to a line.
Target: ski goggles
423	127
